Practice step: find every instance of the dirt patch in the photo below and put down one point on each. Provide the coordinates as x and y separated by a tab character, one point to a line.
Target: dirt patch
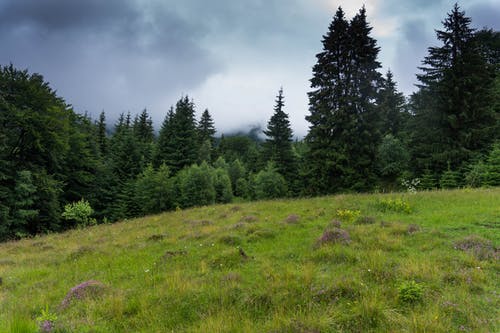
170	254
235	209
335	223
80	252
249	218
413	228
365	220
292	219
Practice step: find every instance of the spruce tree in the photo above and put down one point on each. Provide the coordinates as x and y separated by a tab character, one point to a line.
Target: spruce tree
342	136
182	148
102	139
206	128
144	134
164	137
391	107
278	145
457	91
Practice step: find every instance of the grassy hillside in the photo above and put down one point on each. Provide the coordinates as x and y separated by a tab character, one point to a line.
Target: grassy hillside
406	263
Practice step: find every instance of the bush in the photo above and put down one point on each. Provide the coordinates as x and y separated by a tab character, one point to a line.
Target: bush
196	185
392	158
269	184
80	213
492	177
347	215
449	179
395	205
410	292
222	186
154	190
335	235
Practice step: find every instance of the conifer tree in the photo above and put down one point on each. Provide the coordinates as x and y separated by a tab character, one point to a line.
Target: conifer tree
391	107
278	145
102	139
178	144
457	101
206	128
144	134
164	137
343	136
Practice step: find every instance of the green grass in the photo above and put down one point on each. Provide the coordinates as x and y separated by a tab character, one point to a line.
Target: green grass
247	267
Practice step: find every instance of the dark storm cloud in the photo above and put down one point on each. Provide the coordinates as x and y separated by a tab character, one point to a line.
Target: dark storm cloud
114	55
59	16
230	56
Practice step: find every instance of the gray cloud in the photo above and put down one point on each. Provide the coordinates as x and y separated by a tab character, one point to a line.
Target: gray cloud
485	15
230	56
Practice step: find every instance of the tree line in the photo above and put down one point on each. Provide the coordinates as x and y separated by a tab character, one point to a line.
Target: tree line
364	135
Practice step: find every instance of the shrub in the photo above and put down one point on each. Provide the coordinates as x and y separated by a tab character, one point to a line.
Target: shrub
154	190
196	185
476	175
392	158
481	248
87	289
396	205
292	219
449	179
427	181
269	184
335	235
492	177
335	224
348	215
222	186
46	320
365	220
79	212
413	228
410	292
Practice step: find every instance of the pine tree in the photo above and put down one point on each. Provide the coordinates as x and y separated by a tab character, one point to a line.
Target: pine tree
206	128
144	133
102	139
391	107
164	137
278	145
342	136
457	91
179	145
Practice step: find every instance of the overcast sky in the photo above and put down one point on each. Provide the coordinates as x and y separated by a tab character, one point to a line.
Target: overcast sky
230	56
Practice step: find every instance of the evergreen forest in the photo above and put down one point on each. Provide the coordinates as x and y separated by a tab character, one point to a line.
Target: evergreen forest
60	169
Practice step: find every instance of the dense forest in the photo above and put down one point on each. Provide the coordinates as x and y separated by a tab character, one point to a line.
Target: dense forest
60	169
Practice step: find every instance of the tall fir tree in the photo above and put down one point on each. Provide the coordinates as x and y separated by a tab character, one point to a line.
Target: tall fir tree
178	147
144	134
456	99
206	139
278	145
391	105
206	128
102	139
343	136
164	136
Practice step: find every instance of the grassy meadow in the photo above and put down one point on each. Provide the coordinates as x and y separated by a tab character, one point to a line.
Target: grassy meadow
424	262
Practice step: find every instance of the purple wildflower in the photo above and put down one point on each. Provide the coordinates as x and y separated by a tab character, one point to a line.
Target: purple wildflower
83	290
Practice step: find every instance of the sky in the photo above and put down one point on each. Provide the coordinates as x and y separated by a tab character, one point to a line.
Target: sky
231	57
